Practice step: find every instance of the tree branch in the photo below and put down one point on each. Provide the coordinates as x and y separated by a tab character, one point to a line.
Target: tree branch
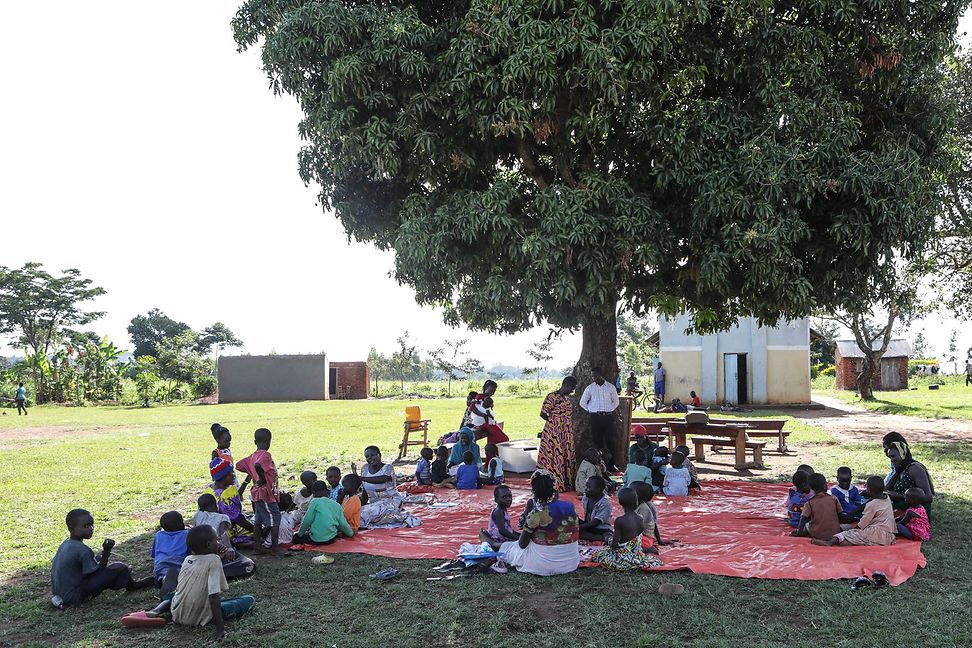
530	163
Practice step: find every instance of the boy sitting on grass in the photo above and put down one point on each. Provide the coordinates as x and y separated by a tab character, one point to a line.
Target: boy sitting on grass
76	575
169	549
198	598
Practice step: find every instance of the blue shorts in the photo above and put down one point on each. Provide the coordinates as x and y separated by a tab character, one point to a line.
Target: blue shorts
660	389
266	514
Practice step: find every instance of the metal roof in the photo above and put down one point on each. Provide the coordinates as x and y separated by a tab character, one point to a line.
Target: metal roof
897	348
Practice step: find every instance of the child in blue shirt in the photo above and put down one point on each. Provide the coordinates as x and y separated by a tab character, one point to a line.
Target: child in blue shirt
169	550
423	469
637	470
659	463
467	476
798	496
333	477
847	494
493	475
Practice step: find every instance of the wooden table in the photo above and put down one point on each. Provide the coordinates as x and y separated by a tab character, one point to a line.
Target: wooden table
737	433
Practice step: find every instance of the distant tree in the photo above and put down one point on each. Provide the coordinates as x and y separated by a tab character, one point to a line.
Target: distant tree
540	354
822	348
634	351
148	330
179	362
379	365
452	360
405	359
218	335
919	346
953	351
37	306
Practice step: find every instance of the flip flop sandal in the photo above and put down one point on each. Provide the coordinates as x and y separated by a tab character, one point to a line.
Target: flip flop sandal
385	574
671	589
880	579
323	559
141	620
861	582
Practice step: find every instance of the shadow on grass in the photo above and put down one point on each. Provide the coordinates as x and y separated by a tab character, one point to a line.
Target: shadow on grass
300	603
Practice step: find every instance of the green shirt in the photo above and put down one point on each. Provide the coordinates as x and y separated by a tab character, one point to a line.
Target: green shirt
323	519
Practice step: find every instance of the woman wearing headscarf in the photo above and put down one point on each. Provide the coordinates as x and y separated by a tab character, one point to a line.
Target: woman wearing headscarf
464	445
906	473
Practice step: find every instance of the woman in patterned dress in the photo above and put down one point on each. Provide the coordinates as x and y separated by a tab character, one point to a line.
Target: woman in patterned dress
556	454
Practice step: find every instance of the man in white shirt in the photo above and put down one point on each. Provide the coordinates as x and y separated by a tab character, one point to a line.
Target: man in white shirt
600	399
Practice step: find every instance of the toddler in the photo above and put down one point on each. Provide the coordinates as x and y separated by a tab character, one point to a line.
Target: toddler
651	535
847	494
77	575
323	521
590	466
288	519
797	497
499	529
235	564
439	471
637	470
260	467
467	477
877	525
352	500
659	466
821	514
303	497
423	469
333	477
596	524
693	471
914	524
677	477
494	466
169	549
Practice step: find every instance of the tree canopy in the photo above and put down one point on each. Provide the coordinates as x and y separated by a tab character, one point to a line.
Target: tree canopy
148	330
542	160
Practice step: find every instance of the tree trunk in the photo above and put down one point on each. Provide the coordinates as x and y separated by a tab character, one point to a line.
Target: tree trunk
865	380
599	348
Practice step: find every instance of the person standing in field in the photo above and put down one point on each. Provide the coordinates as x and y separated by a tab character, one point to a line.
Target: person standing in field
21	400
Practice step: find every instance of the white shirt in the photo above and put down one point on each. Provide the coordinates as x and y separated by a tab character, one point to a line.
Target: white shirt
660	375
599	398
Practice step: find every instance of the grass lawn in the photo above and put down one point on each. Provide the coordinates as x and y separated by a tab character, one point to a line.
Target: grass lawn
129	465
951	400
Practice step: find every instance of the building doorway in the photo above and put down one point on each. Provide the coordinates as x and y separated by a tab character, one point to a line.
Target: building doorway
736	378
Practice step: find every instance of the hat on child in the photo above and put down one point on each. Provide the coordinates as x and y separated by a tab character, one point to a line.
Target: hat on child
220	467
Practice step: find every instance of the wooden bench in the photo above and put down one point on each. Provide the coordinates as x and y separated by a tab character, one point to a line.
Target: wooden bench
655	431
761	428
701	441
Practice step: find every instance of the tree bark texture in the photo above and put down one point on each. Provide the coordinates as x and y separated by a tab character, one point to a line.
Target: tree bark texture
599	348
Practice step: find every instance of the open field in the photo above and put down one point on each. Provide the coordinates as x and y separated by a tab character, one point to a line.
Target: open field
129	465
951	400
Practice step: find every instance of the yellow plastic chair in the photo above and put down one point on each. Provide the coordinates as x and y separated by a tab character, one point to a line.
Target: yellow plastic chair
414	423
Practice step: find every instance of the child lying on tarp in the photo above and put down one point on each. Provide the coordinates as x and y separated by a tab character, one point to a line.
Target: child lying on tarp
624	552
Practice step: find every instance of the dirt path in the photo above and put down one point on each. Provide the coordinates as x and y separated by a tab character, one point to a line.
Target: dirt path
851	423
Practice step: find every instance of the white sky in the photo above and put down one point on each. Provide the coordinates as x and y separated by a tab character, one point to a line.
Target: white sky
144	150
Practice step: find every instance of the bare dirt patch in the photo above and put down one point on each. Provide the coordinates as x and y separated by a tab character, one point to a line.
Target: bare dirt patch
11	437
850	423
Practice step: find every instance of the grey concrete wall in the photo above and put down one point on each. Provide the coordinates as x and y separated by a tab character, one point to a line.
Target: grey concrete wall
245	379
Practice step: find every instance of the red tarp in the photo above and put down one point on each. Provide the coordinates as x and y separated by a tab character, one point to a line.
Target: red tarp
731	528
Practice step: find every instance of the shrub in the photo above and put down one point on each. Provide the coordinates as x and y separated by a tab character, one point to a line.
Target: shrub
205	386
829	370
512	389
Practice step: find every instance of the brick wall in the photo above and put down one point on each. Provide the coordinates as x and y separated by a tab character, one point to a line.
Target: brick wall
353	375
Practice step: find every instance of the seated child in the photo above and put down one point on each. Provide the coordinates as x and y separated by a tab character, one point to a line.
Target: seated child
592	466
678	406
677	477
693	471
352	498
797	497
198	597
652	534
77	575
493	475
169	549
467	477
423	469
235	564
877	525
624	552
288	519
821	513
229	500
807	468
499	529
333	477
914	524
695	401
643	443
637	470
303	497
851	502
323	520
440	469
596	523
659	466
